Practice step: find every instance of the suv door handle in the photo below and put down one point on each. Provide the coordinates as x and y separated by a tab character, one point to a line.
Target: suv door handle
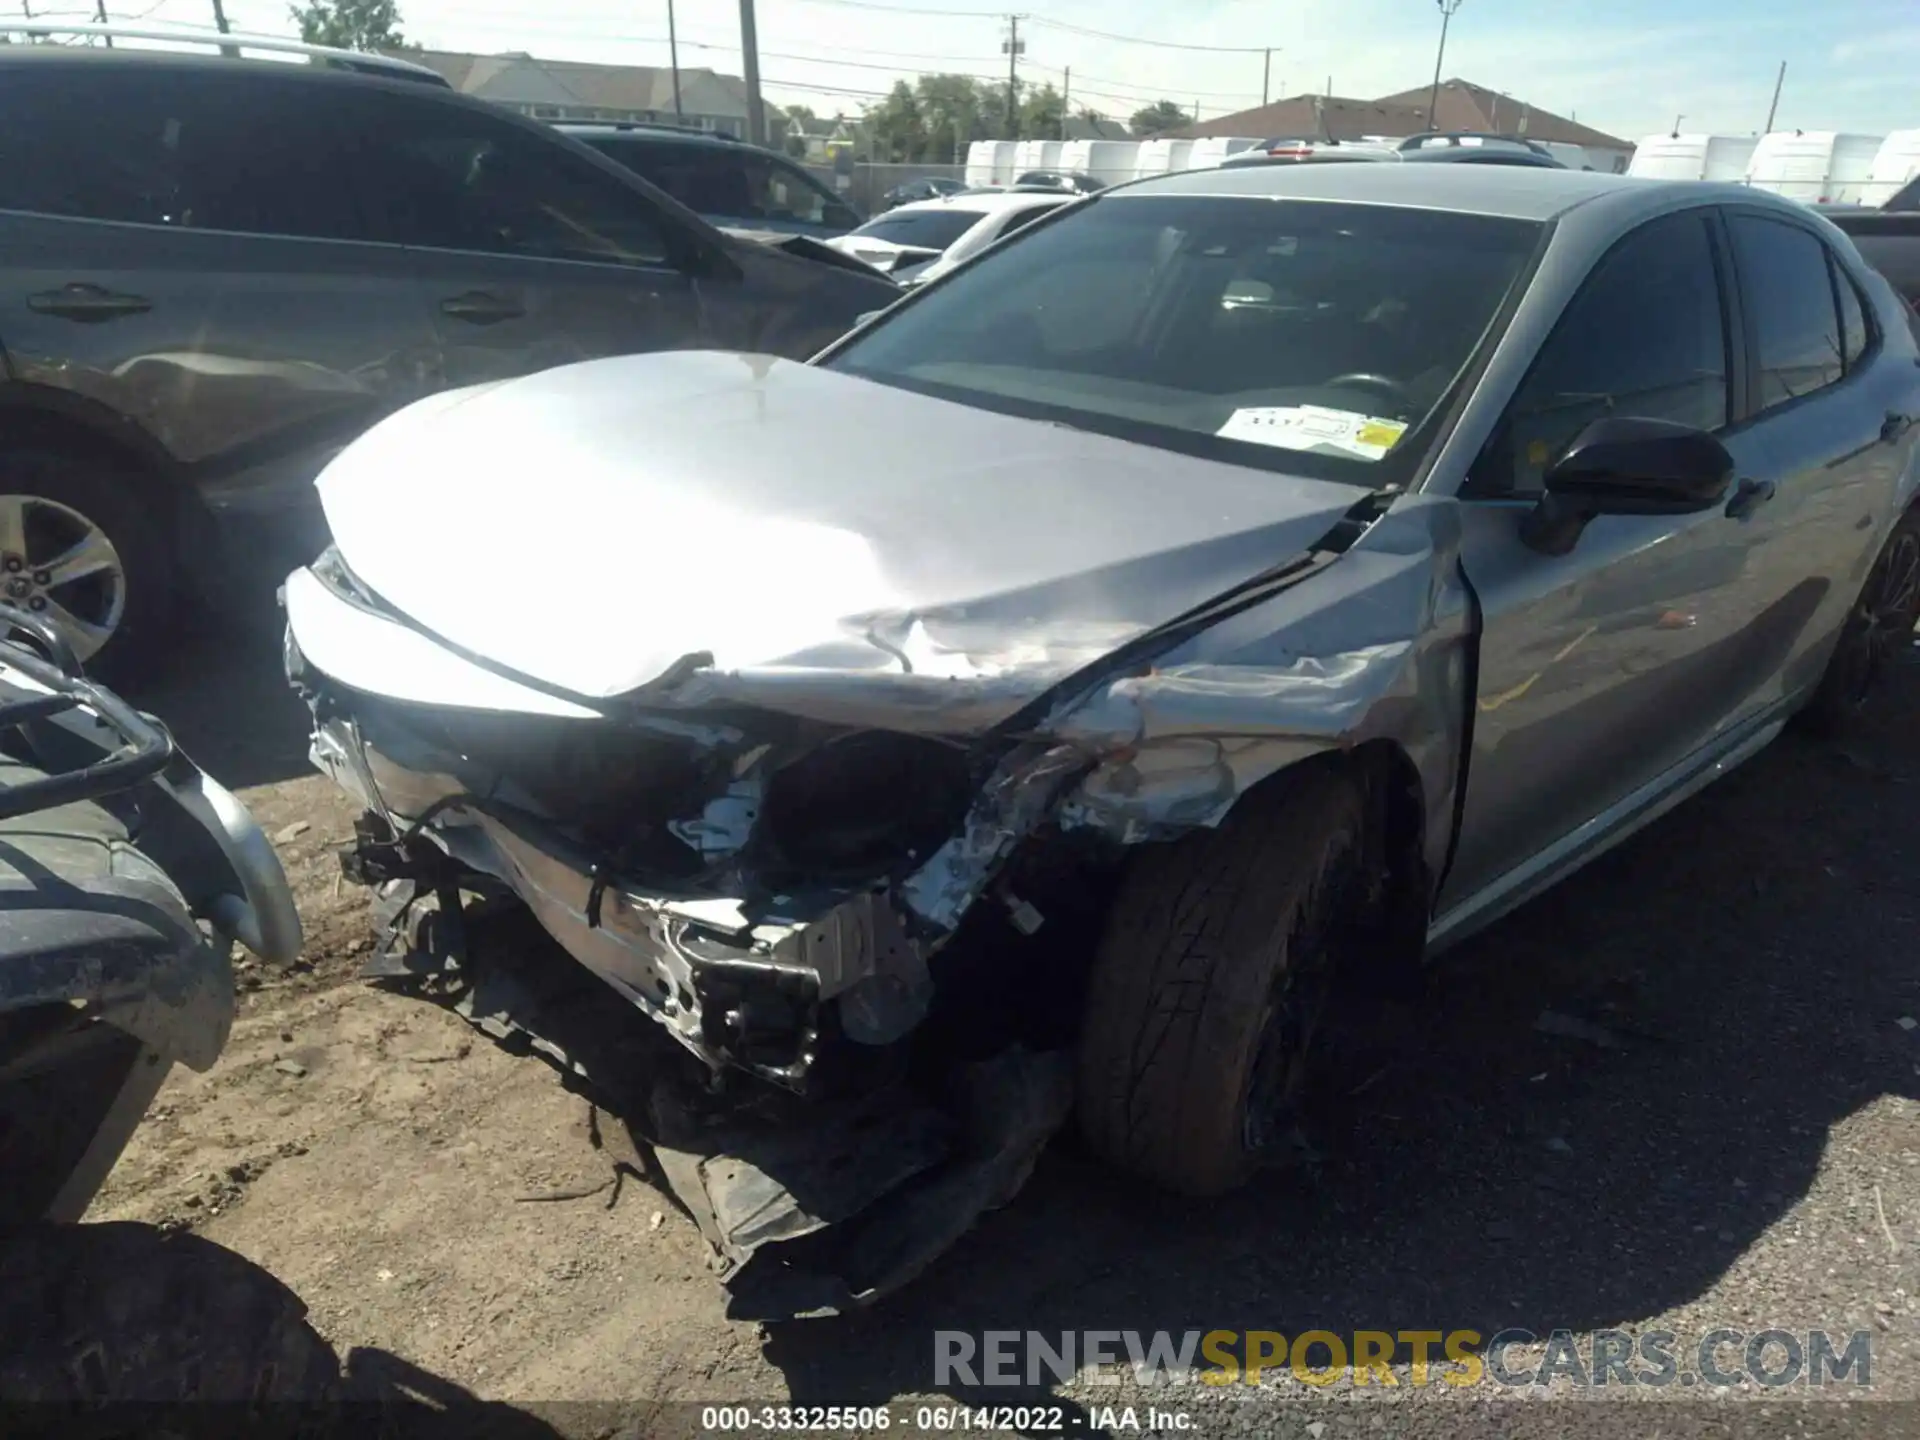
89	304
1895	426
1749	496
477	307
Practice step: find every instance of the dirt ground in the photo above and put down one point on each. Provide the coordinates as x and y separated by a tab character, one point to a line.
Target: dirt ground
1744	1152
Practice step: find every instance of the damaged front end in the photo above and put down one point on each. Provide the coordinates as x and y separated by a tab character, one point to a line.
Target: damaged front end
831	888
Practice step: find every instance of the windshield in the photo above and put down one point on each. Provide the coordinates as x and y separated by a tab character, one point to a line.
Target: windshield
1292	334
931	229
730	184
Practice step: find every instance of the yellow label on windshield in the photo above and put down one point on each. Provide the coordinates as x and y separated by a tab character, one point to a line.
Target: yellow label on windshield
1384	433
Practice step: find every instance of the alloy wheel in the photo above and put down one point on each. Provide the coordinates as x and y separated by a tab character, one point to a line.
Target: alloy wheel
57	564
1882	623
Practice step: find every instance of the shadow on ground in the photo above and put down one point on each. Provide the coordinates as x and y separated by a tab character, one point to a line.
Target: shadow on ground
1749	956
224	694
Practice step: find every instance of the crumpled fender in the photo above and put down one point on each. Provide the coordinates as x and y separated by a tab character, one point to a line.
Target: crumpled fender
1374	646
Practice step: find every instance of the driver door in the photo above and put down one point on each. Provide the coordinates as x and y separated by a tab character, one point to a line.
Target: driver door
1601	669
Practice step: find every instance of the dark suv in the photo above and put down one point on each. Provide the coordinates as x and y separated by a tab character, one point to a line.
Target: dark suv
727	181
215	272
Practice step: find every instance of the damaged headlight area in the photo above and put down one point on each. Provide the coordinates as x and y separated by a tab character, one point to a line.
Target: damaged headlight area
822	930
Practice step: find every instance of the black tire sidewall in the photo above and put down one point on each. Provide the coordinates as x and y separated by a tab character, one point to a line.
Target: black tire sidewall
1833	711
135	516
1185	1129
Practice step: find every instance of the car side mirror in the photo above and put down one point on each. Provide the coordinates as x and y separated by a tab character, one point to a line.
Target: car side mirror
1623	465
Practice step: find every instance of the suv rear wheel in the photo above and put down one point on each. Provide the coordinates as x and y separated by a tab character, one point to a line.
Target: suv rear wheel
84	548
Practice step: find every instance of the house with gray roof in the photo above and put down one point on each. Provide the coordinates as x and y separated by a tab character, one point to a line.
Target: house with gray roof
575	90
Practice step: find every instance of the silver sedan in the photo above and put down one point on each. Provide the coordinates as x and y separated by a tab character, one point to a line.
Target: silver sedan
1252	573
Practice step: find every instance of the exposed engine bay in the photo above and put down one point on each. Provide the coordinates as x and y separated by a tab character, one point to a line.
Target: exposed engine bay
815	920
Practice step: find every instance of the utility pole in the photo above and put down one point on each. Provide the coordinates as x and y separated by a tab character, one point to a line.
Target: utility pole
1066	99
220	24
1266	80
673	58
1447	9
100	15
750	50
1015	47
1774	109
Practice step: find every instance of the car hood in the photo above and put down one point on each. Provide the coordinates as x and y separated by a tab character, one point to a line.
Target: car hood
594	526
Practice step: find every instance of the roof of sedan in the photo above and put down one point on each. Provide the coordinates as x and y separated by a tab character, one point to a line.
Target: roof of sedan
1518	192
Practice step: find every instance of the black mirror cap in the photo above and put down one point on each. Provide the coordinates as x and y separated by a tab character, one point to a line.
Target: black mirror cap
1627	465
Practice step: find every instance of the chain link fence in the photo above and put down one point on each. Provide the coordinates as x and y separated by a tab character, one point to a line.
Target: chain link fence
866	185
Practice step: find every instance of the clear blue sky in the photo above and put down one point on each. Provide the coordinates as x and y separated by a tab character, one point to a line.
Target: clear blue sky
1627	67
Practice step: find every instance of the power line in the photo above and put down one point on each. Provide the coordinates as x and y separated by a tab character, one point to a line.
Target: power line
1132	39
907	9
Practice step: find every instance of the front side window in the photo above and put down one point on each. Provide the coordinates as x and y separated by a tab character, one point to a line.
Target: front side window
190	150
1790	307
1294	335
451	177
1644	337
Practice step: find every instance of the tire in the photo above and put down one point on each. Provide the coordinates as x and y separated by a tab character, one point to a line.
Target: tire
1206	937
135	516
1877	628
124	1312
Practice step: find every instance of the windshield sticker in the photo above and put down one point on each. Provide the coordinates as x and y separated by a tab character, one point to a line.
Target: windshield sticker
1314	428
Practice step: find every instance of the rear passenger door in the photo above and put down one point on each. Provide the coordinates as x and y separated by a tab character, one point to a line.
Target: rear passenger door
529	254
181	246
1817	413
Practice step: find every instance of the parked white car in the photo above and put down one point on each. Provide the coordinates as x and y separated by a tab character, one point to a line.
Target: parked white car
917	242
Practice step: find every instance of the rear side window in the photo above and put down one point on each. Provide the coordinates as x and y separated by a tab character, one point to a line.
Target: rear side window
1023	218
1644	337
729	183
189	150
1790	308
1855	335
931	229
452	177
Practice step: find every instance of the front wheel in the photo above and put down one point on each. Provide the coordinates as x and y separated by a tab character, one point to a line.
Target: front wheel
1210	981
1878	631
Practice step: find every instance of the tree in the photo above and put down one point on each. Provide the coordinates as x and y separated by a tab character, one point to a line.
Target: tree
899	133
1158	117
1042	112
950	111
352	24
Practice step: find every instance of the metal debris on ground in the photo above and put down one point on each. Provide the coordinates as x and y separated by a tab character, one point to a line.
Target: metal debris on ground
291	1067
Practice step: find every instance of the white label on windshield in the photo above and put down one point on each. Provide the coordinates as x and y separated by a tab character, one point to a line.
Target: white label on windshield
1315	428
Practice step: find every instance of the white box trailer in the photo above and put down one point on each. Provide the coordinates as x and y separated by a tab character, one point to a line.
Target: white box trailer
1163	157
1897	162
1816	167
1036	155
1693	157
1207	154
990	162
1109	161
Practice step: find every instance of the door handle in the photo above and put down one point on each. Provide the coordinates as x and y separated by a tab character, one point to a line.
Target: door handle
477	307
1895	426
89	304
1749	496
